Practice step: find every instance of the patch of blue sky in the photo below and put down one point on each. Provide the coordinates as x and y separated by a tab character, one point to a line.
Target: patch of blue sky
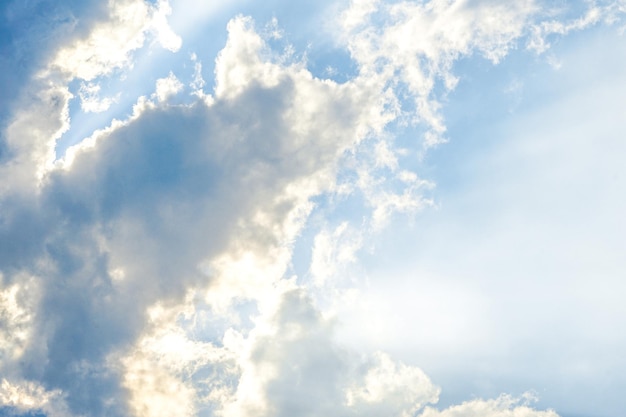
485	95
202	28
489	95
528	227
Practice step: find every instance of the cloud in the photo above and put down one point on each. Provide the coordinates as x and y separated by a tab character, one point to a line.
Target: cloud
167	87
130	221
413	46
31	34
27	397
594	14
167	372
291	366
331	250
179	198
40	114
503	406
418	43
389	388
90	101
110	42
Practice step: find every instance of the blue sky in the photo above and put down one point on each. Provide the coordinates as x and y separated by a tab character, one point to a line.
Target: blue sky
403	208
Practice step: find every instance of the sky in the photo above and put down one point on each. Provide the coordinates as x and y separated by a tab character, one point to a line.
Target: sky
318	208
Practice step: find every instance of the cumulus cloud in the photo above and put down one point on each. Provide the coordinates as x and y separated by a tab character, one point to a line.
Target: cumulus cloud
134	216
291	366
177	198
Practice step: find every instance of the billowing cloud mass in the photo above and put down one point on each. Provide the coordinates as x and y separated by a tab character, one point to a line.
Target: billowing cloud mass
156	268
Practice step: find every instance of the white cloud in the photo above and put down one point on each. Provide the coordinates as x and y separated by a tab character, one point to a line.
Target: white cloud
419	42
291	366
391	389
331	250
160	371
385	200
503	406
197	83
166	36
17	304
28	397
90	100
110	43
167	87
539	43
